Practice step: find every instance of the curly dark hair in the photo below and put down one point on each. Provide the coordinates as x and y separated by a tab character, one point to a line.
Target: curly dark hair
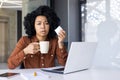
53	20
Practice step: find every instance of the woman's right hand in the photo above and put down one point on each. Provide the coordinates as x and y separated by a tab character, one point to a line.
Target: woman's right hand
32	48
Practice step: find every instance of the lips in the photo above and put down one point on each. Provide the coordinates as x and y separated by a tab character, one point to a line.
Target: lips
43	31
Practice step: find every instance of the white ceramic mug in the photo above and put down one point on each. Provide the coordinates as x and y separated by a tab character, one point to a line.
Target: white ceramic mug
44	47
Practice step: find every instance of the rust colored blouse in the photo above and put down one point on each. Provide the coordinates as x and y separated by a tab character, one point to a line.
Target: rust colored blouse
37	60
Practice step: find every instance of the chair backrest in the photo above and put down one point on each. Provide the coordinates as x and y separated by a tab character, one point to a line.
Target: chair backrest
22	66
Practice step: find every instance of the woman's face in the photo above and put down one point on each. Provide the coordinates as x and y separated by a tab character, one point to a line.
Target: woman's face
41	26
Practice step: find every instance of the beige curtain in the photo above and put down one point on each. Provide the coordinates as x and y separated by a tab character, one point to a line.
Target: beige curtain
3	40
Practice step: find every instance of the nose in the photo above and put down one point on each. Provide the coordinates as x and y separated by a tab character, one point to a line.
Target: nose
43	25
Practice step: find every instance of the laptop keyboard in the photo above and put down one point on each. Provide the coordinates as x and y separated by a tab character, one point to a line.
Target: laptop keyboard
59	69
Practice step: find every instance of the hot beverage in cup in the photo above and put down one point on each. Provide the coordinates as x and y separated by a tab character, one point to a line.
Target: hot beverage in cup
44	47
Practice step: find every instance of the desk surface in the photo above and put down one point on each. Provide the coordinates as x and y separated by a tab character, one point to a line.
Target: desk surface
91	74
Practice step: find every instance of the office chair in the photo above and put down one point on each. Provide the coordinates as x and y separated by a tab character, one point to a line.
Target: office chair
22	66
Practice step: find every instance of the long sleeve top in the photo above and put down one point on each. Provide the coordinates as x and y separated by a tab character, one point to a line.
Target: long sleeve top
37	60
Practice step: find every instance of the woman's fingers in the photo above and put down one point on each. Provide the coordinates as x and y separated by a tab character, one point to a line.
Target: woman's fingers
61	35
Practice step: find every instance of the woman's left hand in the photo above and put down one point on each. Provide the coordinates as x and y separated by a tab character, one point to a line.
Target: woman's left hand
61	37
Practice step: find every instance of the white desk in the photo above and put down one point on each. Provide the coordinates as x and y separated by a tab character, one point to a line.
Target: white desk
91	74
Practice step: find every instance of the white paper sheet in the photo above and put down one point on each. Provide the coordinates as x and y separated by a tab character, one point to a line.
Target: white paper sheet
39	76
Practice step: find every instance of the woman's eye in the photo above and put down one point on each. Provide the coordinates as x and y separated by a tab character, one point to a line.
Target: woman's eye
38	23
47	23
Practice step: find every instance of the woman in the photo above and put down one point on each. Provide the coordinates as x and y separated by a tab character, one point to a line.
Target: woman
39	25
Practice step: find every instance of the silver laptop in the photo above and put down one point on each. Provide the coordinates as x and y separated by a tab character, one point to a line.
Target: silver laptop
79	58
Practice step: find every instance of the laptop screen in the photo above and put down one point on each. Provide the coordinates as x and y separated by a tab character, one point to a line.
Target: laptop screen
80	56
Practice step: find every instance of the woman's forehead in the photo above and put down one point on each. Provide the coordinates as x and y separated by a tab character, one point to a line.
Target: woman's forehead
41	18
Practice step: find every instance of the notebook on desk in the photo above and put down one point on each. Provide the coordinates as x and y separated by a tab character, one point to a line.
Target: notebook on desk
79	58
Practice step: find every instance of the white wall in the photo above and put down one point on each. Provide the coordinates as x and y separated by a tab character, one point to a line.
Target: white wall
103	26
